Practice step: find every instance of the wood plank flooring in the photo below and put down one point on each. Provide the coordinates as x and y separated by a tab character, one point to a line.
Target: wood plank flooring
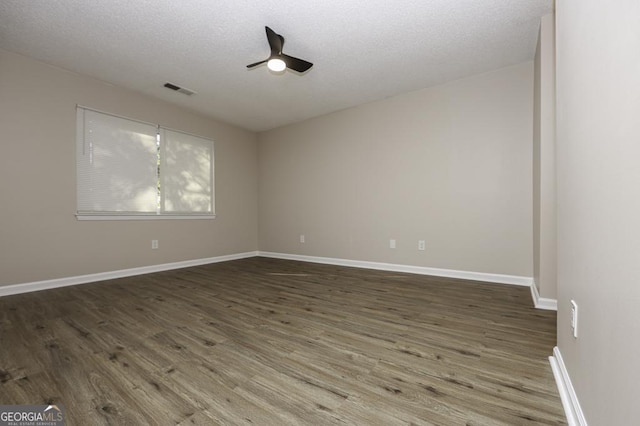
273	342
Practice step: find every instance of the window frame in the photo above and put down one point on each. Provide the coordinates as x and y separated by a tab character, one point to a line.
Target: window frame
159	214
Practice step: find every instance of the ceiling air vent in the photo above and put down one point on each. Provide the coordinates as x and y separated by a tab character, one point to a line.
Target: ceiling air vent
179	89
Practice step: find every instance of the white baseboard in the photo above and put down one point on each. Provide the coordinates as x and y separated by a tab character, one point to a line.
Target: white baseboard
421	270
84	279
542	302
570	403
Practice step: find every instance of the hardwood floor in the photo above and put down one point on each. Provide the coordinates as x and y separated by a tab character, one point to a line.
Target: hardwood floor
273	342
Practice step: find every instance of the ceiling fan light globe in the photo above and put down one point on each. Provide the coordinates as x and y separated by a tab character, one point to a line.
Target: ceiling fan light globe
276	65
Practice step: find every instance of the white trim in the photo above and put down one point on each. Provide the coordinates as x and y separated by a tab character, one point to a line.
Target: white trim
153	216
84	279
570	403
421	270
542	302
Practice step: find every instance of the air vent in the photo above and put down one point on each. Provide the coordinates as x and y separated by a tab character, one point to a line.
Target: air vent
179	89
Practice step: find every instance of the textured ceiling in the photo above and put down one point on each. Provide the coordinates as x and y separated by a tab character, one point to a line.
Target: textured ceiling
362	50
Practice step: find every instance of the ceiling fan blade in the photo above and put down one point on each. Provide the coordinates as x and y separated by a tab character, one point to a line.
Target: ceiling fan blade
255	64
276	41
296	64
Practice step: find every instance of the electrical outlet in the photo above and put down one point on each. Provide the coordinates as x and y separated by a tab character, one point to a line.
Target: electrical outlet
422	245
392	243
574	318
154	244
302	238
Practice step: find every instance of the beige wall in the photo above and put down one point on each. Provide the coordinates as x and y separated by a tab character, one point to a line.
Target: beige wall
450	164
544	162
598	136
40	238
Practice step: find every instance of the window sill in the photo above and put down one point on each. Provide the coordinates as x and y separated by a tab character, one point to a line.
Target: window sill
144	216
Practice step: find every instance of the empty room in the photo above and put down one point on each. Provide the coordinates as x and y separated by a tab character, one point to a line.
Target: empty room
317	213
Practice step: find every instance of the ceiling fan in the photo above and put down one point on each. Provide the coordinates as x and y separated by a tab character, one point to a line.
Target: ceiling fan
278	61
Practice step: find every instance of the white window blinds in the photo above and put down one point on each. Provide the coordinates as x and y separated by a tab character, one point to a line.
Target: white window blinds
134	170
186	170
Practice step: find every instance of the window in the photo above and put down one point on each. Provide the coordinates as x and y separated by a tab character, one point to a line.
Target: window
127	169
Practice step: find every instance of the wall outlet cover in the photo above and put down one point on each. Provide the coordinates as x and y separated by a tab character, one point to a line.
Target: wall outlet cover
574	318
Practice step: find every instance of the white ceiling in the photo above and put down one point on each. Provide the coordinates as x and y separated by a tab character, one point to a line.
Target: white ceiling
362	50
